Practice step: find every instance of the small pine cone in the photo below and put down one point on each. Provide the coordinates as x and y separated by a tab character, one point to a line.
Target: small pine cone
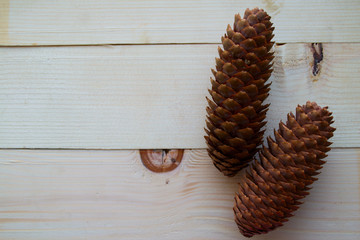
273	186
236	114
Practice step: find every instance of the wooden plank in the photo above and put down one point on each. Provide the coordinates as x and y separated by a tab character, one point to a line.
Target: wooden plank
110	195
67	22
131	97
335	85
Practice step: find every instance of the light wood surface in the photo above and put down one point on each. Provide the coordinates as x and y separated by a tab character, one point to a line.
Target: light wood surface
66	22
53	194
139	80
129	97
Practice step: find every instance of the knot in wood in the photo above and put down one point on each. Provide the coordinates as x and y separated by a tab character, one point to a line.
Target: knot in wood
164	160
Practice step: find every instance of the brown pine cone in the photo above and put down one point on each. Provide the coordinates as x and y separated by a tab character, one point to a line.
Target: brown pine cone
270	191
236	114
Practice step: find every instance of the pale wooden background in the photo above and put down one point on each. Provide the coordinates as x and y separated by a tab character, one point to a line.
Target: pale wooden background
109	77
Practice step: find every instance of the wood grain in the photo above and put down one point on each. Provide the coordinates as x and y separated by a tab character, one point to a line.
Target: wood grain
153	97
87	22
52	194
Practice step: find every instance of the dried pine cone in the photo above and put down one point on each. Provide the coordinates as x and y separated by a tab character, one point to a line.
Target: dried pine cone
273	186
236	114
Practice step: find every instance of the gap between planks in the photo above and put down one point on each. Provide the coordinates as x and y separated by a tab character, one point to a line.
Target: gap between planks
110	45
120	149
150	44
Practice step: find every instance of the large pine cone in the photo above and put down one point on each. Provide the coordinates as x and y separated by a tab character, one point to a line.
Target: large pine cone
270	191
236	114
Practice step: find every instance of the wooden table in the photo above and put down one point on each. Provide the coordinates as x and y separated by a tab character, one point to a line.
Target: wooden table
85	84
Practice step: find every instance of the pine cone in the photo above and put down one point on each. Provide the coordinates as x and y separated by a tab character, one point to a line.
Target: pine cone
237	113
273	186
